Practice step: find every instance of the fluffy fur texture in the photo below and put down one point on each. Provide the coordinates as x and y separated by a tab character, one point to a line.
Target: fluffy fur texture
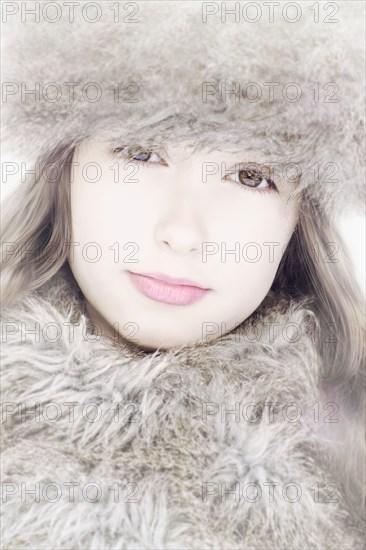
163	444
169	52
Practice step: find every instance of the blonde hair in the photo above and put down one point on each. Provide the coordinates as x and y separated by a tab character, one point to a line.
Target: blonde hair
37	217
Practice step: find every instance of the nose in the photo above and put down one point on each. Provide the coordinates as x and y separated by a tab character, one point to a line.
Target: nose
181	230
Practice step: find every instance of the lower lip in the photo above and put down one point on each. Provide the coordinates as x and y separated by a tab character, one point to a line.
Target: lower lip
178	295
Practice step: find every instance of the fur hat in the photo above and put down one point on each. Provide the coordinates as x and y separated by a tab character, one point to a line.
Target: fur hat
144	74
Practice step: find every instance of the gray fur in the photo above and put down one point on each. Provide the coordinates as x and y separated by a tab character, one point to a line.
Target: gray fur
169	53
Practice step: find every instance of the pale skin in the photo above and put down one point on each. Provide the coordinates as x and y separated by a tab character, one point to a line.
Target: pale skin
164	220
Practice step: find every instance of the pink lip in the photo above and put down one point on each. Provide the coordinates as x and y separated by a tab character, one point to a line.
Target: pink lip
162	288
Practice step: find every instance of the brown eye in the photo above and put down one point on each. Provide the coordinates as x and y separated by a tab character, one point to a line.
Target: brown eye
253	177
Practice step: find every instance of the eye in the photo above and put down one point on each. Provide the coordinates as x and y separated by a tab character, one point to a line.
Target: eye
144	157
147	157
253	177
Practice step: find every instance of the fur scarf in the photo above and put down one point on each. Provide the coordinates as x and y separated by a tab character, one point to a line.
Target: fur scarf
221	445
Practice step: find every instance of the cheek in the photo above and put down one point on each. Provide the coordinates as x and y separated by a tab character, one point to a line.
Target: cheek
258	234
107	212
260	220
109	233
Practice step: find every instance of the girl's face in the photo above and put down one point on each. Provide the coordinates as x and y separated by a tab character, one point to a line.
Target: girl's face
214	219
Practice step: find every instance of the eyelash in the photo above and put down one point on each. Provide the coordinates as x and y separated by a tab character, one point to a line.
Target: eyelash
120	151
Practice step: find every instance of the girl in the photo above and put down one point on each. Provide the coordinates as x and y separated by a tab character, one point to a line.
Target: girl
182	334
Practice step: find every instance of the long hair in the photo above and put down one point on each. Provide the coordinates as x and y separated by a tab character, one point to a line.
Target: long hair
316	266
37	227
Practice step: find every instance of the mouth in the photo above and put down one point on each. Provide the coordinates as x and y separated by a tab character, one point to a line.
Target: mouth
161	288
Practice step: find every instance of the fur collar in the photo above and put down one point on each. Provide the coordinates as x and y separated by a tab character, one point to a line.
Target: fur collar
168	443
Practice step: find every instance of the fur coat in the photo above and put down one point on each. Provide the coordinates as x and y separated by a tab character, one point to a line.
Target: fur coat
221	445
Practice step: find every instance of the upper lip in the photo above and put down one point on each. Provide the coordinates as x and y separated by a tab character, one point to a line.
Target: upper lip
171	280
